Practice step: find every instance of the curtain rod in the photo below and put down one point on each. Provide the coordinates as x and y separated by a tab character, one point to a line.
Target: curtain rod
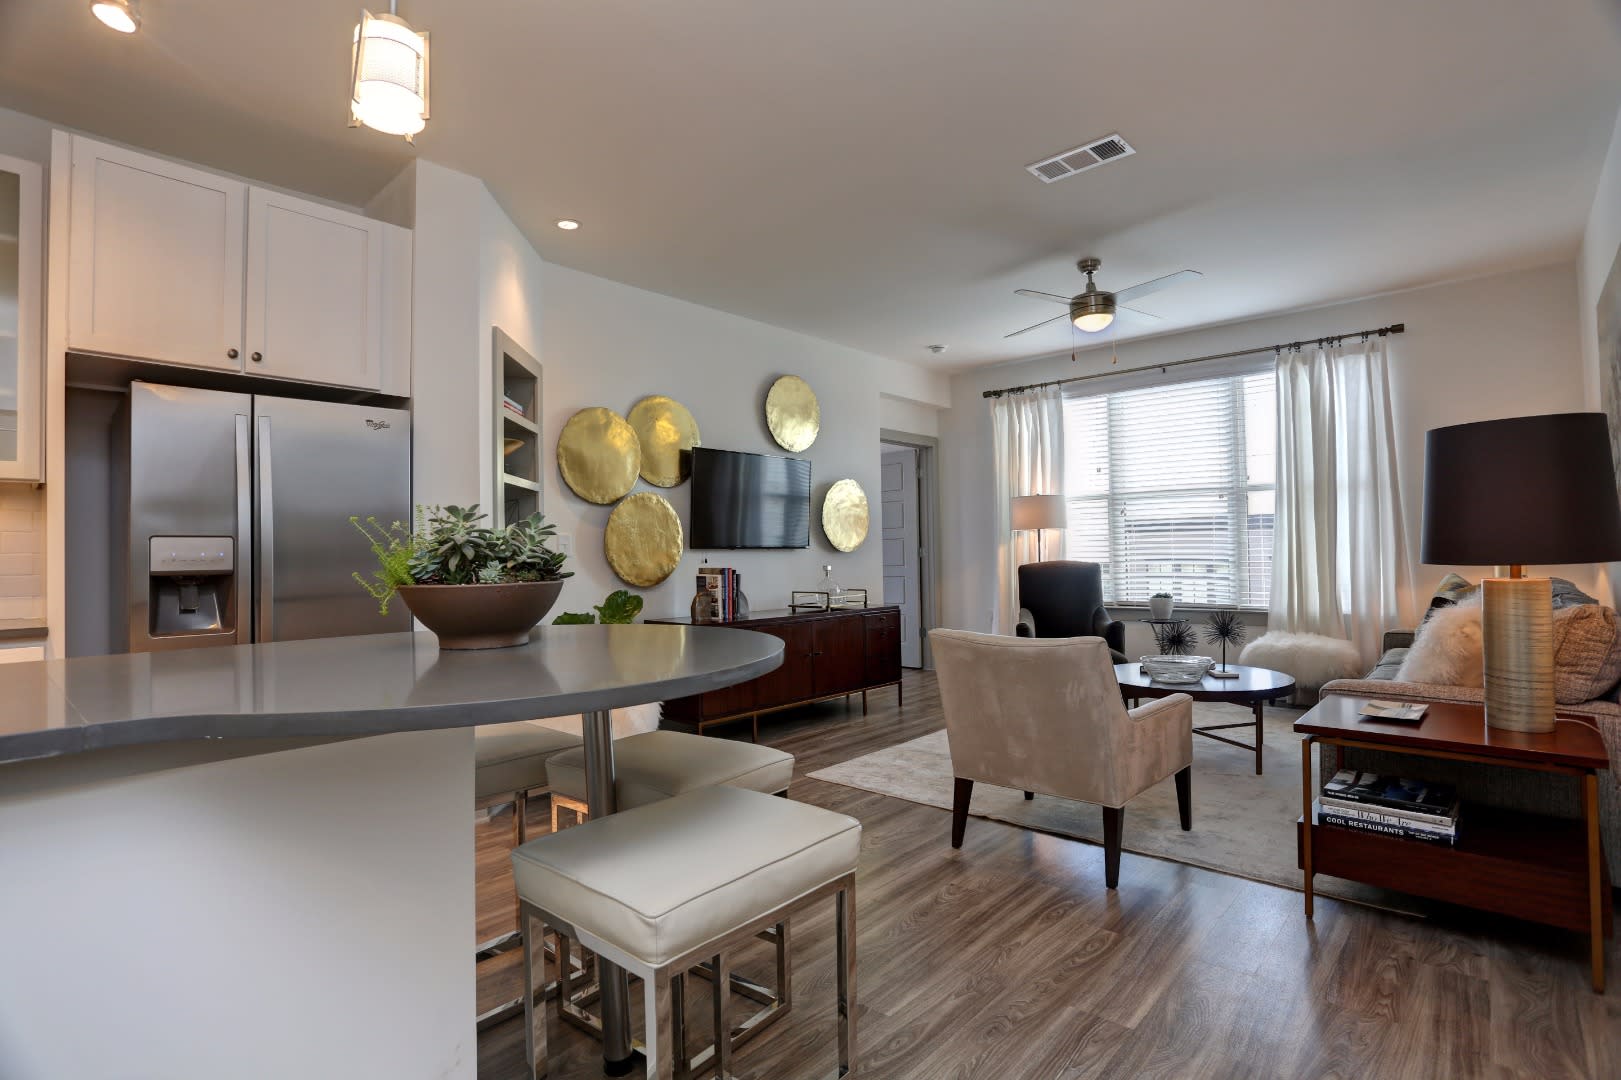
1393	328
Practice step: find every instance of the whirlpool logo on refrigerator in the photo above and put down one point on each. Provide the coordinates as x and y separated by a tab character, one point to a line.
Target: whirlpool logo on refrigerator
378	425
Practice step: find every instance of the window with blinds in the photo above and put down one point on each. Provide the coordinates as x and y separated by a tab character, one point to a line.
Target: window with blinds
1170	488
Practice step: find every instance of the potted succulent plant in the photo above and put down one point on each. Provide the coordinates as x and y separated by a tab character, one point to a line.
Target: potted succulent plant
1160	605
475	587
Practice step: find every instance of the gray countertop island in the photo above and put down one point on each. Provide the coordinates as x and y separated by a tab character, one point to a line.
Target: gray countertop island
343	687
257	861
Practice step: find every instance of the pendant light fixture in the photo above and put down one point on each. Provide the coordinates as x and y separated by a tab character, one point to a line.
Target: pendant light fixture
121	15
389	87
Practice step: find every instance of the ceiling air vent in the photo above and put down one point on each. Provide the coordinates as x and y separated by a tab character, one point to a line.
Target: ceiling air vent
1080	159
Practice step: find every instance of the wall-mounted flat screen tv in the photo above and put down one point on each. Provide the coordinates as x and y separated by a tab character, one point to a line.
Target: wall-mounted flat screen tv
749	500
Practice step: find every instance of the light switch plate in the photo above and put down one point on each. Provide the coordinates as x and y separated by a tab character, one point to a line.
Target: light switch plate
565	543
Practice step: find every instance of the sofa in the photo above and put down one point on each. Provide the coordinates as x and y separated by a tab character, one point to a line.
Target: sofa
1520	789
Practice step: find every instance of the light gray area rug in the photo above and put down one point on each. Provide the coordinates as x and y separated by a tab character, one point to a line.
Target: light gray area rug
1243	824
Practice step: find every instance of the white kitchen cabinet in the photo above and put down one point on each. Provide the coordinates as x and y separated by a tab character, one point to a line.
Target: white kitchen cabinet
176	265
155	259
315	292
22	216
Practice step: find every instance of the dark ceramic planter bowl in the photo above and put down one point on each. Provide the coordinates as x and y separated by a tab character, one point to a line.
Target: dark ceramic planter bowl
481	616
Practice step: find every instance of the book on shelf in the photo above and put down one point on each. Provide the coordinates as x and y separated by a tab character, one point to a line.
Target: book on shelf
1394	792
1326	816
1394	710
722	581
513	406
1387	816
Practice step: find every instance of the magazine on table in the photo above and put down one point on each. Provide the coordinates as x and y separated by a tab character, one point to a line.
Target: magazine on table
1395	792
1406	711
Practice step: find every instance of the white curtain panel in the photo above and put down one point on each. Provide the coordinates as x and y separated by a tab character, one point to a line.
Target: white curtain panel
1340	558
1028	430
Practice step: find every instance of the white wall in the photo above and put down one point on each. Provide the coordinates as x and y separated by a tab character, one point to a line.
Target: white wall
898	414
602	343
609	344
1600	244
1491	347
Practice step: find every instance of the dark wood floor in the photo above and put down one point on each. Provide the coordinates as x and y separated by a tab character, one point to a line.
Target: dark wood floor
1009	959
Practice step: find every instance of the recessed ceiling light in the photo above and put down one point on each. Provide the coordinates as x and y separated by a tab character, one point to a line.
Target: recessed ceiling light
568	224
122	15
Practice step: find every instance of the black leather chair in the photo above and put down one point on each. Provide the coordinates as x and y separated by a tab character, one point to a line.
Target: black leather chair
1065	599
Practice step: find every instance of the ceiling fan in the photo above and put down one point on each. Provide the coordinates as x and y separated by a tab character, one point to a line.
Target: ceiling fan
1094	309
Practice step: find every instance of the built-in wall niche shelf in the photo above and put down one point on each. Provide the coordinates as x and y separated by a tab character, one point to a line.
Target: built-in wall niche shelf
519	448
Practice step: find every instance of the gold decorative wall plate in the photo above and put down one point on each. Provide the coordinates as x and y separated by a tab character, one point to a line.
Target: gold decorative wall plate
845	515
599	455
644	541
666	430
792	413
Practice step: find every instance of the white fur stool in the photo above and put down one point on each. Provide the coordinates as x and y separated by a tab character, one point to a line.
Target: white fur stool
1310	659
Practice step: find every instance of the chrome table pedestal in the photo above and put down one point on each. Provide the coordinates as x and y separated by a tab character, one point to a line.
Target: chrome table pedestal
613	985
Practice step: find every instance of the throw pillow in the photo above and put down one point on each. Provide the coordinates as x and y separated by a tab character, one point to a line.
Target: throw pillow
1566	594
1453	590
1447	650
1586	653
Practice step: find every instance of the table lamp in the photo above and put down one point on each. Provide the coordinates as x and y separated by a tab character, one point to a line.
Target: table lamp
1526	490
1037	513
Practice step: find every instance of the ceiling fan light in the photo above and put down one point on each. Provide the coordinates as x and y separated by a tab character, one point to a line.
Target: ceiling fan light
1092	310
120	15
389	88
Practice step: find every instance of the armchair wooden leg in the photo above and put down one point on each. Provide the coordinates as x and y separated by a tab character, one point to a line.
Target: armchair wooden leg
1029	795
959	809
1184	796
1113	818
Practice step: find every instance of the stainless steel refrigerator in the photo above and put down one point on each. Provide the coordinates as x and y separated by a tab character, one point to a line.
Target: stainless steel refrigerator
237	510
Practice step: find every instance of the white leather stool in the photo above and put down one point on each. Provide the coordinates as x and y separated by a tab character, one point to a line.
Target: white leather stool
662	888
509	761
655	765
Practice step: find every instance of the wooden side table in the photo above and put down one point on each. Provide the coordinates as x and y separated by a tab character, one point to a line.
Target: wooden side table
1530	866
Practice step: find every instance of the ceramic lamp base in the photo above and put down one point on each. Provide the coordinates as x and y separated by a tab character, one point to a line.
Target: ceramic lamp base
1517	635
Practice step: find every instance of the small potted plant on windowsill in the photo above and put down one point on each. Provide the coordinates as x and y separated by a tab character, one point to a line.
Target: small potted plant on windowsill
1160	605
473	586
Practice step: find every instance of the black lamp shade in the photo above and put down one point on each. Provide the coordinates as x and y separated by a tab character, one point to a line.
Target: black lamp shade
1527	490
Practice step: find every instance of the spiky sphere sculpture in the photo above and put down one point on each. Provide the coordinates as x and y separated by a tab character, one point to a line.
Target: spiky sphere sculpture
1176	639
1225	627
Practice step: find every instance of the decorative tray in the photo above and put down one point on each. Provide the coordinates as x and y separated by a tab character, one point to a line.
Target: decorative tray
1176	669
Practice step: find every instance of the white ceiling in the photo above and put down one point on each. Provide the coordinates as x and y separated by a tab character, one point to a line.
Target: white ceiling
854	170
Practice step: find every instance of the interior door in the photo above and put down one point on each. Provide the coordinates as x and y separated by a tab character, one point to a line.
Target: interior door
902	575
316	464
315	292
154	259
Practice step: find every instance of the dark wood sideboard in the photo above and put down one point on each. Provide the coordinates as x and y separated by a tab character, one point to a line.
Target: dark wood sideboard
826	654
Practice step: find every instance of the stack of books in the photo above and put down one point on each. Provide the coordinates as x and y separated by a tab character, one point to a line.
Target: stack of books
1390	805
513	406
722	581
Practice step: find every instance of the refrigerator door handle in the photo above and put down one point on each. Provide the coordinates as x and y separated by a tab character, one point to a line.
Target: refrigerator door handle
265	538
244	522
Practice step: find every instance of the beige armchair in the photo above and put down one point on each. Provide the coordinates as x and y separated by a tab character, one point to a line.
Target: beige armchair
1045	715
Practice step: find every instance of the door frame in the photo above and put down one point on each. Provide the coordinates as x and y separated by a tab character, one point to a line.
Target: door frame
928	501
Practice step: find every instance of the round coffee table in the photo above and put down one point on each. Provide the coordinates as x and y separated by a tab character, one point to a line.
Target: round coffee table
1253	687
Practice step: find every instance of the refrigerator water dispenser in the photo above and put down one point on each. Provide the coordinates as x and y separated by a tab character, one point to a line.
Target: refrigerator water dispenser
192	581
